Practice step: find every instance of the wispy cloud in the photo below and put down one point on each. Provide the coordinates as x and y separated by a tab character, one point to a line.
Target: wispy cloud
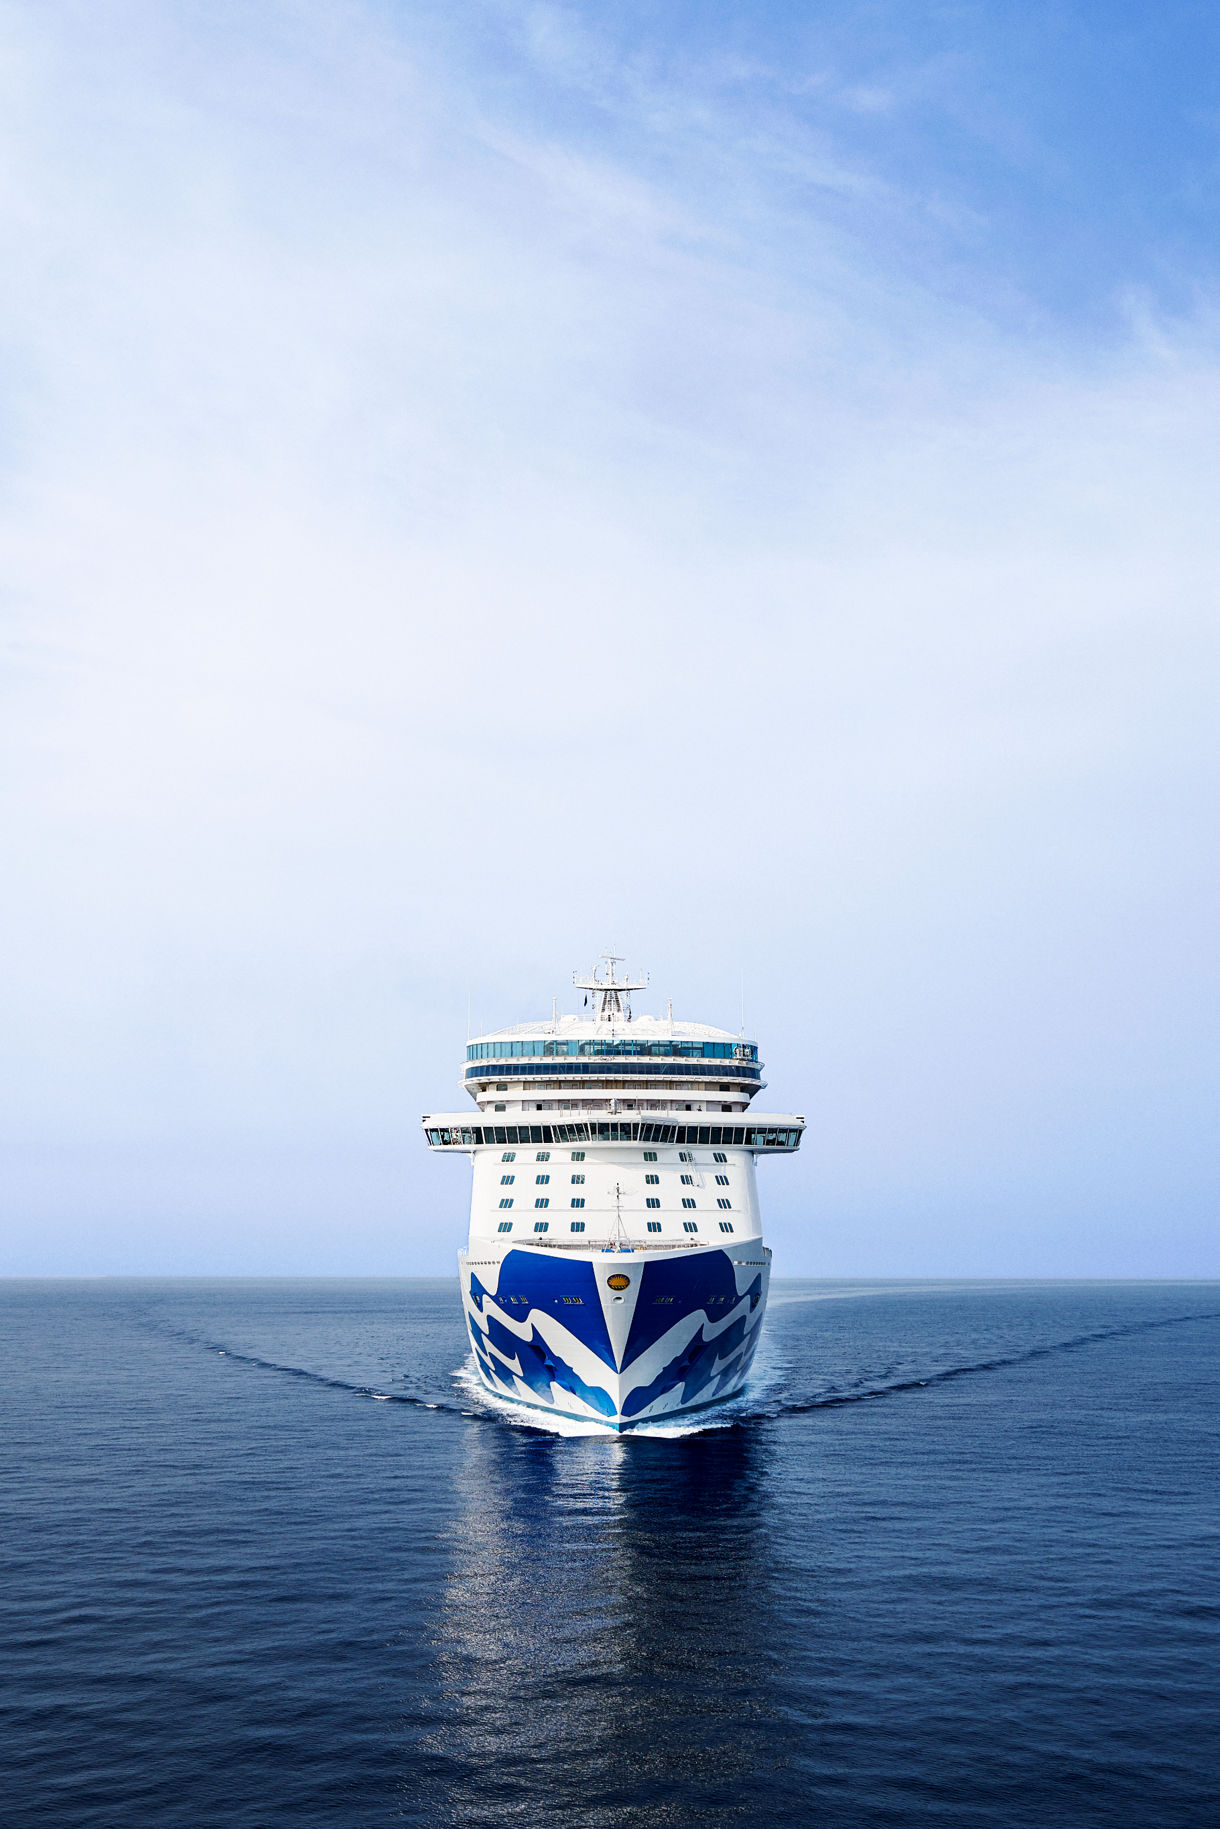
440	526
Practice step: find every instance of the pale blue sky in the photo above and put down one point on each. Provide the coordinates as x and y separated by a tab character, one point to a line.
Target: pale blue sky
480	482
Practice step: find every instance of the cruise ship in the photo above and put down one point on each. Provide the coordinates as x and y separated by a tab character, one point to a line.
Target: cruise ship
615	1270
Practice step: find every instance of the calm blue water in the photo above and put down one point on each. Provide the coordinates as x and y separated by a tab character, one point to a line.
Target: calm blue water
955	1561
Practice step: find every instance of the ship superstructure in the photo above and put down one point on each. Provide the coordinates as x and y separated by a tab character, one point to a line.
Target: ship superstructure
615	1269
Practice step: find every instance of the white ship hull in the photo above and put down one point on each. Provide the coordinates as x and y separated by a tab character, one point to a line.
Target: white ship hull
615	1337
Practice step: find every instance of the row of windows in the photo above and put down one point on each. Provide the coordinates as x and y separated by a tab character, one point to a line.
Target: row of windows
578	1155
578	1200
506	1181
638	1075
578	1225
742	1135
653	1181
578	1072
667	1050
653	1201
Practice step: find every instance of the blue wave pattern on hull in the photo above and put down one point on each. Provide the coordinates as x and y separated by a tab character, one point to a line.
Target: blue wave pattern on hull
671	1291
706	1369
678	1286
538	1281
540	1366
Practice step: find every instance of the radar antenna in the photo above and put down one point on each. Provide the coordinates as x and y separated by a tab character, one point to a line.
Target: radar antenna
615	993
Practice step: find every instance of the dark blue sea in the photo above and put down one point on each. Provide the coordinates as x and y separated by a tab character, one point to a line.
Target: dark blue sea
268	1563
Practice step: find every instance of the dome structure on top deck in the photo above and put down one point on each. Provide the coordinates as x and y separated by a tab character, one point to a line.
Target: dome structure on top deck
607	1016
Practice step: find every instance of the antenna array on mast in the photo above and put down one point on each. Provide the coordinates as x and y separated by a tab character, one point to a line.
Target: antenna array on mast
614	992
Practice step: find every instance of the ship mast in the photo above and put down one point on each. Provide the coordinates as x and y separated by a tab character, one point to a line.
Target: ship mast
615	993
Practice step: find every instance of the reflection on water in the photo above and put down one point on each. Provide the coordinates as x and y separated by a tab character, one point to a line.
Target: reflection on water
606	1634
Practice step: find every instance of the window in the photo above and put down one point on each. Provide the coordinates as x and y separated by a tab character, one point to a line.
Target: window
686	1202
504	1108
684	1155
722	1202
690	1225
578	1155
652	1201
510	1155
579	1201
506	1181
542	1203
544	1155
544	1225
650	1155
503	1088
654	1181
578	1225
506	1203
654	1225
577	1180
722	1181
718	1155
574	1301
726	1225
688	1181
506	1225
540	1181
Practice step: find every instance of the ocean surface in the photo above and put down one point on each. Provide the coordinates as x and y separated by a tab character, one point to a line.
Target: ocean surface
269	1561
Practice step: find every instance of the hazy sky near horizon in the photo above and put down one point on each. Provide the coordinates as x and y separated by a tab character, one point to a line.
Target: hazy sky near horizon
482	482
